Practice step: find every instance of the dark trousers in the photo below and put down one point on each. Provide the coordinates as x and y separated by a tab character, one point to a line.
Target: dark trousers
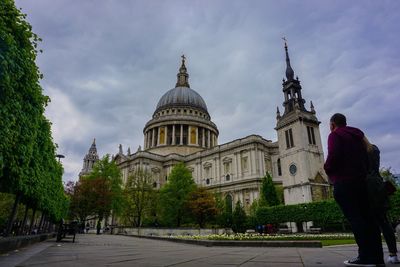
352	198
387	230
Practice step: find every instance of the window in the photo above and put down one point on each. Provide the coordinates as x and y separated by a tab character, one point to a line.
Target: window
278	162
177	134
207	167
227	167
185	135
311	135
169	134
289	138
156	134
162	135
244	164
155	185
207	181
227	177
192	135
200	139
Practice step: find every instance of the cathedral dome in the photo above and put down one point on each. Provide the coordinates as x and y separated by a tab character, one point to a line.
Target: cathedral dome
181	123
181	96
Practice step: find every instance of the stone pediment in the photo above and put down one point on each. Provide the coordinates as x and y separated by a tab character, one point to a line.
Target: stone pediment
227	160
207	165
155	170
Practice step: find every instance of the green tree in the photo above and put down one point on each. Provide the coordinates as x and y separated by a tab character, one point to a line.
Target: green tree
28	168
202	206
81	205
387	174
269	196
174	194
108	175
239	218
139	194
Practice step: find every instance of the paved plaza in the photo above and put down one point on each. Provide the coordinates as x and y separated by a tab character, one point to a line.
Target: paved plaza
111	250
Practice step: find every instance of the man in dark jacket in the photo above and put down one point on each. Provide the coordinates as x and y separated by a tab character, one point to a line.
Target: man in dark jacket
347	166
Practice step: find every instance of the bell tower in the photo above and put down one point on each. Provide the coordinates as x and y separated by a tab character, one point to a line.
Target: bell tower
301	157
90	159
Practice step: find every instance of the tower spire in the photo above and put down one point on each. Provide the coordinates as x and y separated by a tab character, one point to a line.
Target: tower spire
183	76
289	70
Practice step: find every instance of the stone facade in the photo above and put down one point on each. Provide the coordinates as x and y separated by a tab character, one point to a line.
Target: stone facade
181	130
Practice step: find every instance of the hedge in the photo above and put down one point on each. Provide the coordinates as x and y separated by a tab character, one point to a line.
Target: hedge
322	212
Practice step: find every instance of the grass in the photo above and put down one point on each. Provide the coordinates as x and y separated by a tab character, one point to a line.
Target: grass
333	242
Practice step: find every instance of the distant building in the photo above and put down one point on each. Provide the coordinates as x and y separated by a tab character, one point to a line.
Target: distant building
89	160
181	130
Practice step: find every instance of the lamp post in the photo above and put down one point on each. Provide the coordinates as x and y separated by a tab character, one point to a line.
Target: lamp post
59	156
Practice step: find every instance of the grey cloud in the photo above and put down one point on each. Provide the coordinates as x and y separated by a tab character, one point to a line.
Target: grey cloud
107	63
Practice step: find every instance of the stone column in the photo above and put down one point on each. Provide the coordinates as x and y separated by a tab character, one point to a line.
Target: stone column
239	156
158	136
253	161
237	163
173	134
147	140
166	135
261	162
203	141
209	138
181	137
197	136
152	138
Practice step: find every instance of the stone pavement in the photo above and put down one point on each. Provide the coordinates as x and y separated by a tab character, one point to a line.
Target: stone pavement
110	250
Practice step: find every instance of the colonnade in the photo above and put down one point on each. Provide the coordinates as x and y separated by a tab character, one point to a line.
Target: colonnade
179	134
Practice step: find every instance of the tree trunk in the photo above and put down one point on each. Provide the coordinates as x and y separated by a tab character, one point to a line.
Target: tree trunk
21	229
32	220
41	223
45	222
12	215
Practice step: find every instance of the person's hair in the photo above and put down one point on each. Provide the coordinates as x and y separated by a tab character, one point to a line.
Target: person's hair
339	119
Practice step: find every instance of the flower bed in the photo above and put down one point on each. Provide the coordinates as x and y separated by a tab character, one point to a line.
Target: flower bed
256	237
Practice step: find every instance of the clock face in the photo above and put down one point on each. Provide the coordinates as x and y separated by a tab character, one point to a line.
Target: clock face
292	169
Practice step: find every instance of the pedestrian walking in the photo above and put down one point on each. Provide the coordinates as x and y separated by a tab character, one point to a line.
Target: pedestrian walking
347	166
383	203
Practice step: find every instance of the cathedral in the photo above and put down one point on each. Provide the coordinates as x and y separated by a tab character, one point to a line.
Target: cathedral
181	130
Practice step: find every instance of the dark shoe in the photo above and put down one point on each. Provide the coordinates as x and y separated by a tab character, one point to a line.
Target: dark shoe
358	262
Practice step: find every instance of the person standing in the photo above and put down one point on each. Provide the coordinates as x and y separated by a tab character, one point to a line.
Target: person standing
381	210
347	166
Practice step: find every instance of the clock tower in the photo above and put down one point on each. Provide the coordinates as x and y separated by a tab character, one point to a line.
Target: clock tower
301	158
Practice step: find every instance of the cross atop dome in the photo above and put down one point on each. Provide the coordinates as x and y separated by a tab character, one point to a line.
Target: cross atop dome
183	76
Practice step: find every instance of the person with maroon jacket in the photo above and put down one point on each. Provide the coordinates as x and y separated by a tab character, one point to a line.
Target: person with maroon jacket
347	166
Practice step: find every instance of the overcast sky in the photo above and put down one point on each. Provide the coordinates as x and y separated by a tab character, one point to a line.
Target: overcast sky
107	63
